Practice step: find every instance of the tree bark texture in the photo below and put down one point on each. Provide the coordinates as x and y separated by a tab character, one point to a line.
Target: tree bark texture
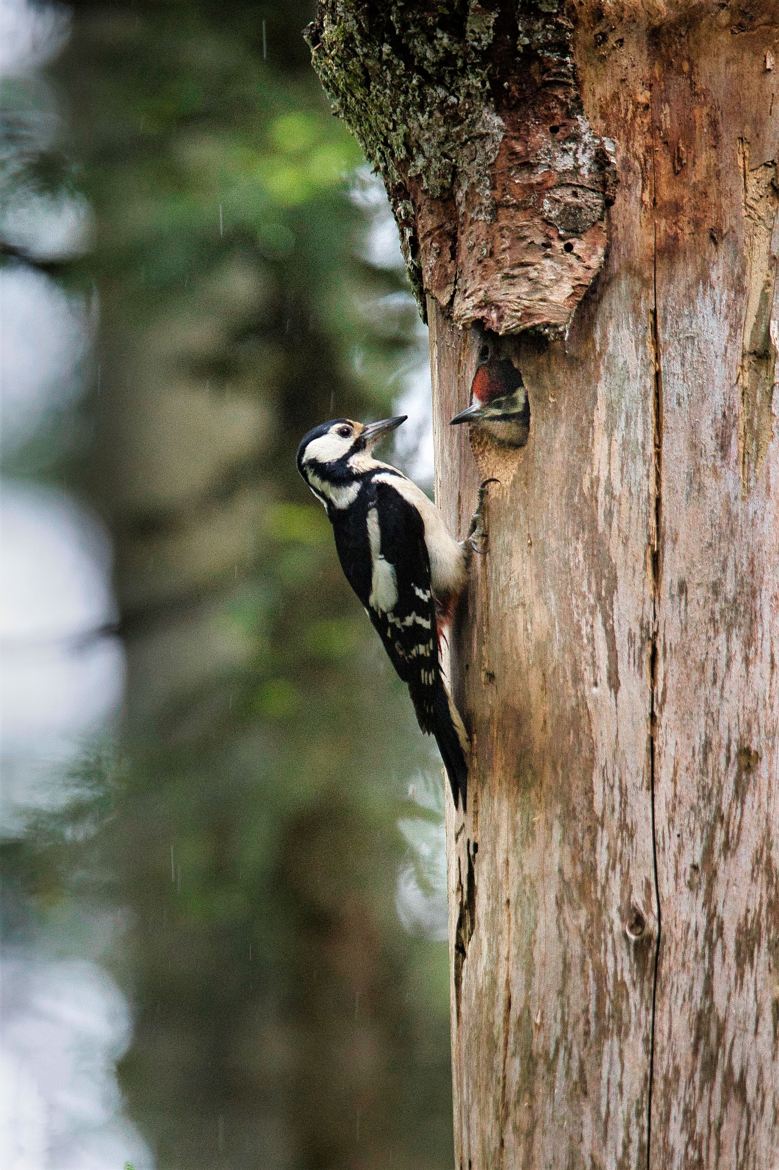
614	887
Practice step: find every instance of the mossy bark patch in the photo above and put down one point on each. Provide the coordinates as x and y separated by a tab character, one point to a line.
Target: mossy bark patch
471	113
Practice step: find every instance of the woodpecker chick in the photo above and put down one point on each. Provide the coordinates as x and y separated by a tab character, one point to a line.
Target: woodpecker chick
499	402
402	563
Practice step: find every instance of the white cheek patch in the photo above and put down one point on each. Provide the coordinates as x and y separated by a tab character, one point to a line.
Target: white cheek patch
327	448
384	584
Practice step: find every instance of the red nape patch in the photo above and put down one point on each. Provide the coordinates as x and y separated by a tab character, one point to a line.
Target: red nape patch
480	386
494	379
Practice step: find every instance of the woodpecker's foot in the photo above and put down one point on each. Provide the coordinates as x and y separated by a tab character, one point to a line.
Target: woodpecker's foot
476	539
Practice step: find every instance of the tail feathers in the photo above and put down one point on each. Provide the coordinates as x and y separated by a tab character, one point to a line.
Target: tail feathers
452	740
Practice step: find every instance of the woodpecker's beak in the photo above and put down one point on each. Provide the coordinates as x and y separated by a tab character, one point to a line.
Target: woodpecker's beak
470	414
375	431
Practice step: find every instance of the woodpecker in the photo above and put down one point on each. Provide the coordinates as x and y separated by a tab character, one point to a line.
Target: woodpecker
401	561
499	402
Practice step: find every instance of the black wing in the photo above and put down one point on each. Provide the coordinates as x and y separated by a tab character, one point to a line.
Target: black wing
409	631
408	626
387	524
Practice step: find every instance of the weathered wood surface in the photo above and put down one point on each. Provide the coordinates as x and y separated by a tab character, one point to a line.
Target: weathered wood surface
715	126
614	889
552	997
619	661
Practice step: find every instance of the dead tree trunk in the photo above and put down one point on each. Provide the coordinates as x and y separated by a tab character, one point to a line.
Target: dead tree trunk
597	184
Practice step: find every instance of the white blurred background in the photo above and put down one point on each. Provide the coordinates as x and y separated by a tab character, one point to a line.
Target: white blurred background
64	1022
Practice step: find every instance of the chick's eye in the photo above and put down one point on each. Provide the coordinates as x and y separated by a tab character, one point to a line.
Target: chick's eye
345	432
484	353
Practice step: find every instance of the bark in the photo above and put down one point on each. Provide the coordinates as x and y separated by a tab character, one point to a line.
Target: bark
614	889
473	117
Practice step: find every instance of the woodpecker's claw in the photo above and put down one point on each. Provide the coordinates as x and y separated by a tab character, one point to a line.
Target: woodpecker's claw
477	533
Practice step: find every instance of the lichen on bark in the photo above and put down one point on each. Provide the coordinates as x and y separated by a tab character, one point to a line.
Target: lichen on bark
471	113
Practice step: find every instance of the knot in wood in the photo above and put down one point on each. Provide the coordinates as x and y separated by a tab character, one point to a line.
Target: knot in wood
636	925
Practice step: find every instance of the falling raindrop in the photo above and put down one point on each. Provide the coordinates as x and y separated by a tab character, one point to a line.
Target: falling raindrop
264	42
221	222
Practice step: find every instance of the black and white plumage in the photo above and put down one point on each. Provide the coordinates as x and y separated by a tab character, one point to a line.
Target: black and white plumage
401	561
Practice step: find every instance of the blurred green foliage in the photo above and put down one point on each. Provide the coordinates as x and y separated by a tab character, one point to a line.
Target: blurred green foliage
244	828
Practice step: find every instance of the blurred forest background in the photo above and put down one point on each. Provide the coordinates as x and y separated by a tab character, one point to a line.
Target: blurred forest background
222	839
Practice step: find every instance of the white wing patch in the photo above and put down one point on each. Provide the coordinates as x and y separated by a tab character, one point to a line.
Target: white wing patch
384	583
447	556
412	619
421	650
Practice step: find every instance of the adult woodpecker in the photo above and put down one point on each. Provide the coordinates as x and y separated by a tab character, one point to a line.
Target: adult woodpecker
402	563
499	402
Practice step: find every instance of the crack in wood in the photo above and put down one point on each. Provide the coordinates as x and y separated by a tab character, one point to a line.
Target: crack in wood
760	203
656	489
466	918
504	1098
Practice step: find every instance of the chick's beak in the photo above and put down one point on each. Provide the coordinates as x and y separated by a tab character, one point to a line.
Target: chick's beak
373	432
470	414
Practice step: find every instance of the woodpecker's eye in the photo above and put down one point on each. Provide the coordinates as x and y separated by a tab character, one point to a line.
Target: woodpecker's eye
345	431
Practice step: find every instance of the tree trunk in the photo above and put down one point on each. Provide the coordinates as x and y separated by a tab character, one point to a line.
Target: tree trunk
614	888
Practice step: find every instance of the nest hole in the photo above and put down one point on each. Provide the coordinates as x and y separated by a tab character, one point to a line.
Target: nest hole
497	459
